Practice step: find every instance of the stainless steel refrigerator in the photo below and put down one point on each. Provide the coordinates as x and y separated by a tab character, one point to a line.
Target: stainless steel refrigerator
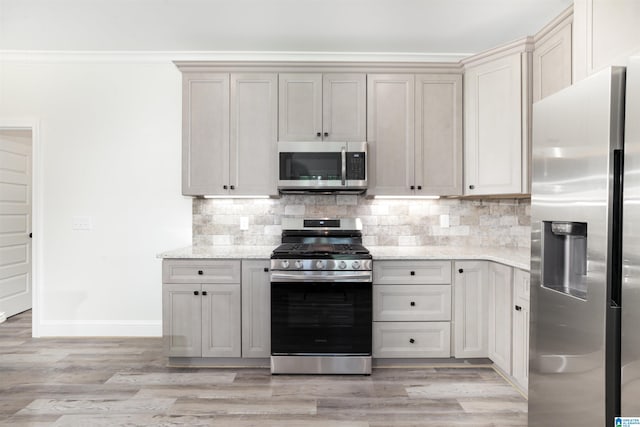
584	356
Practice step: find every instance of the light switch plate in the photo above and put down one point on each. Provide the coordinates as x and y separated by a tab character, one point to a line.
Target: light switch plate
244	223
81	223
444	221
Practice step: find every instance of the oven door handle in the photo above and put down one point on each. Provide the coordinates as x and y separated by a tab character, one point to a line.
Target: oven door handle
304	278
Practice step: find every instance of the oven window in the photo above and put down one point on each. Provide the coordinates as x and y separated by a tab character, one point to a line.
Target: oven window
310	166
321	318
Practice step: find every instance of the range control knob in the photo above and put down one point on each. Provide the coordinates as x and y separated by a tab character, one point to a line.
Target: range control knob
285	264
320	264
342	265
355	264
298	264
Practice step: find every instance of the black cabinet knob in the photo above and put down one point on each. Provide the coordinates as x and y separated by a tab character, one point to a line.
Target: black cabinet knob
413	304
266	270
460	271
413	273
200	272
326	134
318	134
419	187
196	293
471	187
518	308
225	187
204	293
411	340
233	187
412	187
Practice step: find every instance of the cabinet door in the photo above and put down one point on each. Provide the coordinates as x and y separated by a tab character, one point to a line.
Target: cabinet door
181	307
390	130
344	107
438	135
205	134
493	127
500	303
521	329
470	309
221	321
254	134
552	63
256	309
300	107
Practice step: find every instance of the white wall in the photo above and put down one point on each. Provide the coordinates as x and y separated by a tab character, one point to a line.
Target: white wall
110	149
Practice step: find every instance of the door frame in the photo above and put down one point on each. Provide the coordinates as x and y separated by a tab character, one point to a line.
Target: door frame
33	125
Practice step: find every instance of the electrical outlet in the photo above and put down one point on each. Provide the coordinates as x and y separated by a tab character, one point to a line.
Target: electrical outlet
244	223
444	221
81	223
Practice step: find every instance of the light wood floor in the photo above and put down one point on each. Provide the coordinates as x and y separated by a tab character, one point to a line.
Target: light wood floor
125	382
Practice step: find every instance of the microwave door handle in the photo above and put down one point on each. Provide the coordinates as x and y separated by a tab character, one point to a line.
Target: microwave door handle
344	166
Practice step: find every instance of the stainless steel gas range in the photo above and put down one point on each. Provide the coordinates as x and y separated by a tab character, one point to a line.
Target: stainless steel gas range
321	299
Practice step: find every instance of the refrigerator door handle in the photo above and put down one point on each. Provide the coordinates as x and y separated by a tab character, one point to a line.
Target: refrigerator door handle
615	250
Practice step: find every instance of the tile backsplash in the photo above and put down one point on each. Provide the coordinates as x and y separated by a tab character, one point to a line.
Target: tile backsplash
395	222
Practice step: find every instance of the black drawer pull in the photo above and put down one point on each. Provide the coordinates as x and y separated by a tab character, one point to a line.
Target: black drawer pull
326	134
204	293
419	187
266	270
413	273
518	308
412	303
224	187
460	271
233	187
411	340
318	134
472	187
196	293
413	187
200	272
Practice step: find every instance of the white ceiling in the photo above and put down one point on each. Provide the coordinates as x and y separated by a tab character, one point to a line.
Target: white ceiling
389	26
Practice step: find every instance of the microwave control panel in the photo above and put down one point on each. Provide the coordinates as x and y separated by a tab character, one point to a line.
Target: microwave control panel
356	165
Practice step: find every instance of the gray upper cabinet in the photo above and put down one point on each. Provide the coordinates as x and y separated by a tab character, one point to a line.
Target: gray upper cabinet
415	134
496	108
229	134
317	107
254	134
205	133
438	135
390	129
552	59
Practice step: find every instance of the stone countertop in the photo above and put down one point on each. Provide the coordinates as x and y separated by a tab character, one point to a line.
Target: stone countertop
518	258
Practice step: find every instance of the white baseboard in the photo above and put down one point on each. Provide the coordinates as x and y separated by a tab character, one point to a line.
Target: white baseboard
3	317
98	328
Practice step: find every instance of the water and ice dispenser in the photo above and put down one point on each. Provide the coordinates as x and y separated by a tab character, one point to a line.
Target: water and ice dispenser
564	257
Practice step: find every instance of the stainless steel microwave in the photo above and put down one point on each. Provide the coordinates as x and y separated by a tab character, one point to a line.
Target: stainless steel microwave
322	167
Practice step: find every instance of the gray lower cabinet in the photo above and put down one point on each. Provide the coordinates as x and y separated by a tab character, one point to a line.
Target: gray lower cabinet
500	303
256	309
520	340
470	316
201	308
411	309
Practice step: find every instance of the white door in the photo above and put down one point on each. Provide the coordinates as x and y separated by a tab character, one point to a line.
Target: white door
15	221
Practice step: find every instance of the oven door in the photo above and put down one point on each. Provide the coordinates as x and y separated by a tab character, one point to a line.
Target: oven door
321	318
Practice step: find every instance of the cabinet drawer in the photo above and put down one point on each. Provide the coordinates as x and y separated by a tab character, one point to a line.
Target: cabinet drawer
411	339
411	272
200	271
411	302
